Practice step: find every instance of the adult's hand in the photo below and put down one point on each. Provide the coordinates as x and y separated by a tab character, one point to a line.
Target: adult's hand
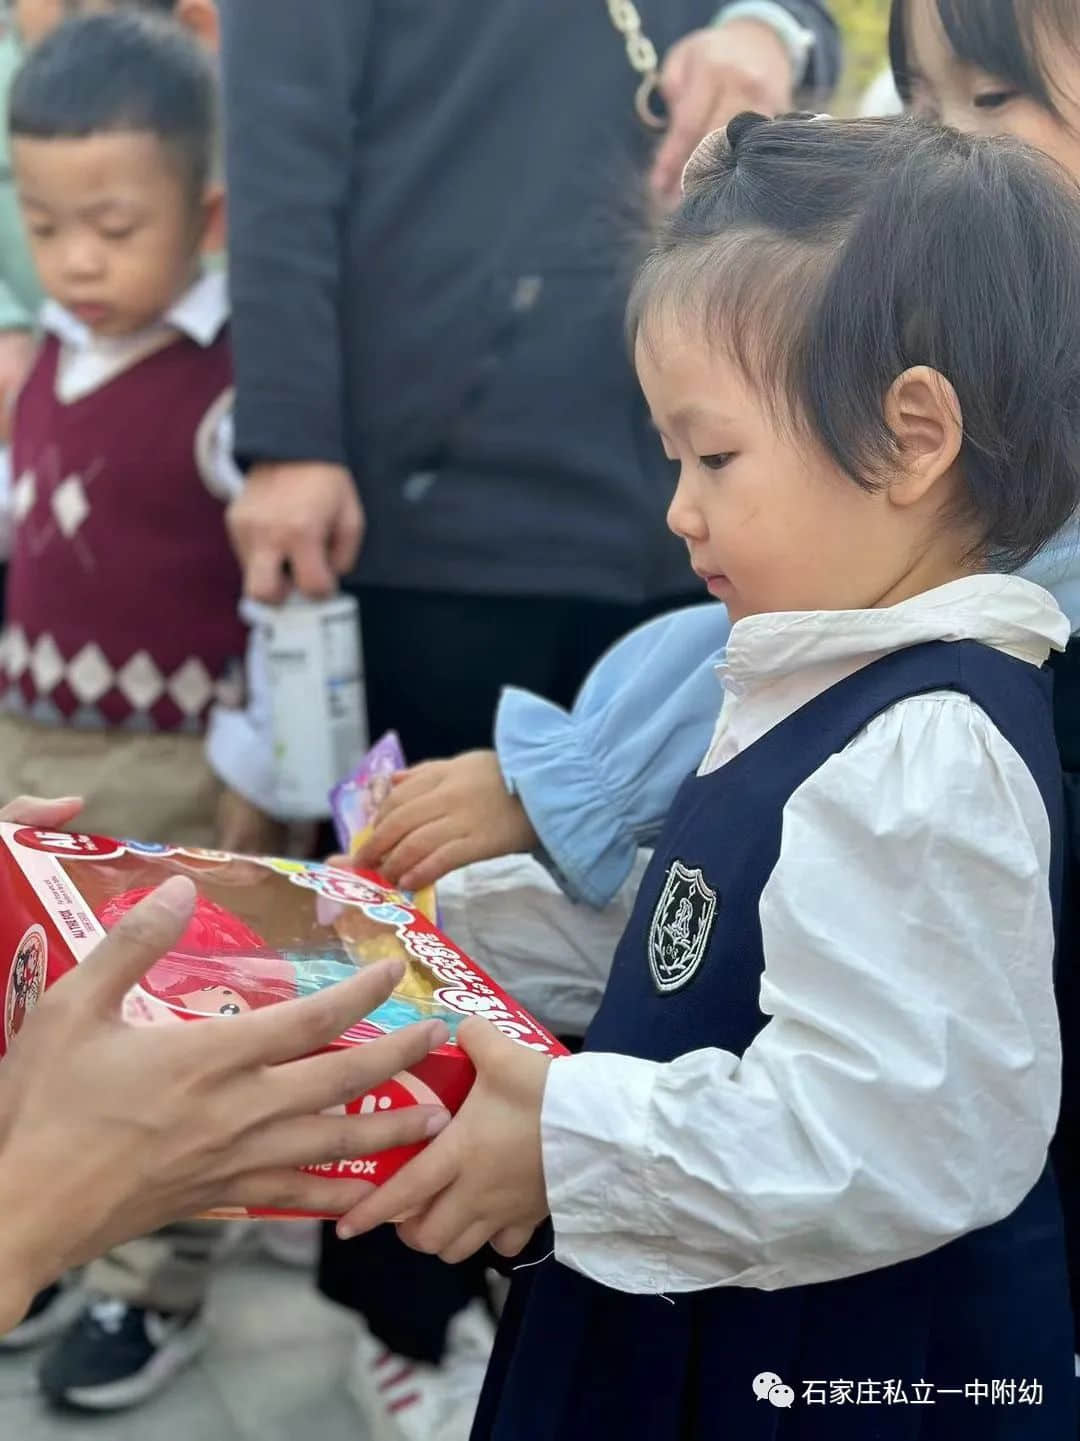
304	513
709	76
108	1131
44	815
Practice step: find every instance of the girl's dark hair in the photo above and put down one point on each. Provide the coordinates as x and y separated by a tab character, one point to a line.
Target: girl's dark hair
829	257
115	71
1006	38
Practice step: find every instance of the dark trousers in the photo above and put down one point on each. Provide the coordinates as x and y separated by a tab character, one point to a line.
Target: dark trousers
435	665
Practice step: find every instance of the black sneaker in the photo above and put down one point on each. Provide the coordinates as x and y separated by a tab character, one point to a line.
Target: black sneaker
114	1356
51	1312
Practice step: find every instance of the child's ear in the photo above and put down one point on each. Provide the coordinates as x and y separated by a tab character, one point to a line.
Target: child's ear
213	220
923	412
202	19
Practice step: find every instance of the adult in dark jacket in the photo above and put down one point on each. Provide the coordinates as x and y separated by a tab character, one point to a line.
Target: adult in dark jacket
430	210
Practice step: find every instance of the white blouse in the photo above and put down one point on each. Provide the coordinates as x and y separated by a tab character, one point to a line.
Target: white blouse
906	1085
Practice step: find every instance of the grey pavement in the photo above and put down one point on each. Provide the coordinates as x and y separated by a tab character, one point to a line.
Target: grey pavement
273	1372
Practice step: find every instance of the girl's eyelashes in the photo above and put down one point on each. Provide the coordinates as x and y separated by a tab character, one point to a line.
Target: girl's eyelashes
718	460
993	99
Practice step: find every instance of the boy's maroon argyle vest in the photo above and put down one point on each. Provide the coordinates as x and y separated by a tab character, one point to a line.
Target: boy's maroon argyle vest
122	586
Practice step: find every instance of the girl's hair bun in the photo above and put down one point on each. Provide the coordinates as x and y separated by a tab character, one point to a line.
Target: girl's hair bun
710	158
717	155
740	125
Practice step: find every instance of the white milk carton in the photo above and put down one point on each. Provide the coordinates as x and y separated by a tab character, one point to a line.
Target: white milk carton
314	669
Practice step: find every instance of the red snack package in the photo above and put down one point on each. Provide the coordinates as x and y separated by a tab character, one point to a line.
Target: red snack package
264	930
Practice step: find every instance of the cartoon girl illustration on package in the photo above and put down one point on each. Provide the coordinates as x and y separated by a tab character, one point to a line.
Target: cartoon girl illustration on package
222	967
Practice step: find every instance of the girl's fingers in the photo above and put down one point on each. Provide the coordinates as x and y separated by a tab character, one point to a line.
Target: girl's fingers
422	841
410	1190
395	826
308	1086
449	1217
467	1244
410	785
512	1240
446	858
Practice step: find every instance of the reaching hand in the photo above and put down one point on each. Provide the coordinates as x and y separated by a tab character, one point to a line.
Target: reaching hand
108	1131
41	814
483	1179
305	514
442	815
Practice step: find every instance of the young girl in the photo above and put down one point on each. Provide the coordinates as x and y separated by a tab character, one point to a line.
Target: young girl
590	786
806	1142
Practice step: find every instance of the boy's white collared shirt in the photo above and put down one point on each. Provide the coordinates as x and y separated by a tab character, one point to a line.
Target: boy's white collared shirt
88	361
906	1086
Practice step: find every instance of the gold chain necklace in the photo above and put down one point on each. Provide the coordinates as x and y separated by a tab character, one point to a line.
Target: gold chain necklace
641	53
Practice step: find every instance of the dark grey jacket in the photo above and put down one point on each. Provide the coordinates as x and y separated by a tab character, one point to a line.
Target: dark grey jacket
431	203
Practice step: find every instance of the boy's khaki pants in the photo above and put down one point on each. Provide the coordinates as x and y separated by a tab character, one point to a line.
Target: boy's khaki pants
168	1271
149	786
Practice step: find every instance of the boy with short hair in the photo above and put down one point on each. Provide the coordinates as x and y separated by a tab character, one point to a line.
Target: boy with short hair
119	432
28	22
122	592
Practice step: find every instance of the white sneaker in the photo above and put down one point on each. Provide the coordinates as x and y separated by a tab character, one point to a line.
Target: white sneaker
465	1362
403	1400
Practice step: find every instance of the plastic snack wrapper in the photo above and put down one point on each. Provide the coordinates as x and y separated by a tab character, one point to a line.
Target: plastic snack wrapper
264	930
356	800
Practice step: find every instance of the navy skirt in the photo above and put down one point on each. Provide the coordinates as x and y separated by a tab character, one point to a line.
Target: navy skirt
973	1341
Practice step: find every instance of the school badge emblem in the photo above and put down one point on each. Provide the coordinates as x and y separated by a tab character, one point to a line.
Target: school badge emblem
681	926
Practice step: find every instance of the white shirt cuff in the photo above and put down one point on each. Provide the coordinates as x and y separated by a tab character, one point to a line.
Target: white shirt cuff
593	1125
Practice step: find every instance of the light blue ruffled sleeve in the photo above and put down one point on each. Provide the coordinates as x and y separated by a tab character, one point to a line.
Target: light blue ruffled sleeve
598	781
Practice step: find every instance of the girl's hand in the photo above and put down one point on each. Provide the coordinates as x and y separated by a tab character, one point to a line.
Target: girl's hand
483	1179
442	815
